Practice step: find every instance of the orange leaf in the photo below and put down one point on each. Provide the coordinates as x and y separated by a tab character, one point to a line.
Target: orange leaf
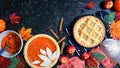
118	24
21	31
25	33
115	24
115	29
112	25
26	37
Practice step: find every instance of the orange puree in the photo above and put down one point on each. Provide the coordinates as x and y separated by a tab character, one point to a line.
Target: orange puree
12	41
37	44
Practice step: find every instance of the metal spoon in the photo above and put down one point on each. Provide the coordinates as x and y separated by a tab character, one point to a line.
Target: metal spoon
3	50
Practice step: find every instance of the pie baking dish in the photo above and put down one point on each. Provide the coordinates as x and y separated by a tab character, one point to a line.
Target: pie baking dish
89	31
41	51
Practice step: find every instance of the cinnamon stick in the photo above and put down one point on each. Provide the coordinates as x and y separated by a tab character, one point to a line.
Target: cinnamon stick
62	47
53	32
63	38
60	26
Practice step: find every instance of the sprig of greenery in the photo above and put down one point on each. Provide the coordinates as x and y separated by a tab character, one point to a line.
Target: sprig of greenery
98	56
14	62
109	18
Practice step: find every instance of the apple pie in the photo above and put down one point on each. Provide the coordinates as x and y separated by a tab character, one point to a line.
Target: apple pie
89	31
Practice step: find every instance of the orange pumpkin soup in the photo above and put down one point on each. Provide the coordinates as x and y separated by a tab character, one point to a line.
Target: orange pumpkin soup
34	48
12	41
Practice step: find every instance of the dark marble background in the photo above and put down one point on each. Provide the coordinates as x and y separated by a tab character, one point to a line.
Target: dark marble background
40	15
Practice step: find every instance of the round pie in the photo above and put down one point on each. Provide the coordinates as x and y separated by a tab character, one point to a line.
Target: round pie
41	51
89	31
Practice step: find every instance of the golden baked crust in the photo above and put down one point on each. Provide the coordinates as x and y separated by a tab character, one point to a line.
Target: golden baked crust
27	45
89	31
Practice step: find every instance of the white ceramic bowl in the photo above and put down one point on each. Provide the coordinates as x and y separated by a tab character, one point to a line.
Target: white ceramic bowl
7	54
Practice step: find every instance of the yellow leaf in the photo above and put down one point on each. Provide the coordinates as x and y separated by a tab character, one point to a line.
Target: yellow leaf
26	37
21	31
112	25
115	29
25	33
118	24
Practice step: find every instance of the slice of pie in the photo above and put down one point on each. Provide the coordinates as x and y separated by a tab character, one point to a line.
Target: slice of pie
89	31
41	51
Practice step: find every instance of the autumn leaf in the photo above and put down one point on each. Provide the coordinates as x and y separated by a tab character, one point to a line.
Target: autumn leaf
14	18
115	30
109	18
117	16
98	56
25	33
21	32
90	5
26	37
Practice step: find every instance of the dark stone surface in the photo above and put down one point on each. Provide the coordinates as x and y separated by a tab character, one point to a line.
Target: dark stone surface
40	15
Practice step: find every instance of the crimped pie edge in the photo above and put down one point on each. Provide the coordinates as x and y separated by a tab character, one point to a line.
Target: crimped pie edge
76	28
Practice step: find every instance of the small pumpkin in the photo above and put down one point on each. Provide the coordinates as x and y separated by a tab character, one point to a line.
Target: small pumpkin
2	25
117	5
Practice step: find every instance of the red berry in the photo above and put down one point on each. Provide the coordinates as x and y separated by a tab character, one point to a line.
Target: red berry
63	59
108	4
85	56
70	49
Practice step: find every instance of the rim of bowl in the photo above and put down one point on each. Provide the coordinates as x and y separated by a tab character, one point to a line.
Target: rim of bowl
4	34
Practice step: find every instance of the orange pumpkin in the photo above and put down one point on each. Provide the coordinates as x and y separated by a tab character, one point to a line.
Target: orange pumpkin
117	5
2	25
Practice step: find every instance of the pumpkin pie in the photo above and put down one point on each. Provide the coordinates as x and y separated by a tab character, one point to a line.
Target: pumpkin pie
41	51
89	31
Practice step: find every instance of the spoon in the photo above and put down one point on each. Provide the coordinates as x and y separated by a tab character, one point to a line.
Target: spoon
3	50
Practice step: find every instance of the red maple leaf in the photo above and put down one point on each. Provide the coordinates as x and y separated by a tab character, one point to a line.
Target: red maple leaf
14	18
117	16
90	5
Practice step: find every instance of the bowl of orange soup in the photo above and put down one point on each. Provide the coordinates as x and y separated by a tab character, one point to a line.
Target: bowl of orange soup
41	51
13	41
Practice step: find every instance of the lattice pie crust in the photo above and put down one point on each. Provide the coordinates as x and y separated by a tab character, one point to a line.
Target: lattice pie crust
89	31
